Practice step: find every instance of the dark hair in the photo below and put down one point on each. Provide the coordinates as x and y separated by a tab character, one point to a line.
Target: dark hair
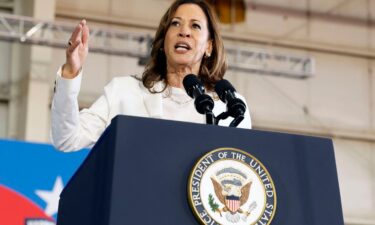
212	68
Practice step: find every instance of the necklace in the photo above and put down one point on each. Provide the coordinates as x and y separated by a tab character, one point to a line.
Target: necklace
177	96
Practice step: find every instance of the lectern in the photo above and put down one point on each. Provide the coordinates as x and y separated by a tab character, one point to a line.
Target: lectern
138	171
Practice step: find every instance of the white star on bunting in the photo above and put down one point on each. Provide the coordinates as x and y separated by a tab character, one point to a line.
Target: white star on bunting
52	197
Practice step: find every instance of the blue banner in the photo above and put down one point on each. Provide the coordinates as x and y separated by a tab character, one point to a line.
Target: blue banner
31	179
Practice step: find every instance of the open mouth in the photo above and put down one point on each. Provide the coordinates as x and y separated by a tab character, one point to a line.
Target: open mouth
182	46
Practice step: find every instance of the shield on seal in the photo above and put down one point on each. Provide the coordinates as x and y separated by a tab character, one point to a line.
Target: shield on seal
233	203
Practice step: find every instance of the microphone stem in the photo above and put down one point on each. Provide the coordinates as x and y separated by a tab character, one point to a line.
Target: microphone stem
210	118
236	121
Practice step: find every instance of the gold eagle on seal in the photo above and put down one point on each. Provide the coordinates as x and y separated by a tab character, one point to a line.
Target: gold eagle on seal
232	188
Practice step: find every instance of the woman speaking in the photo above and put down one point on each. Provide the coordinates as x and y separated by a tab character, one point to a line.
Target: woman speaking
187	41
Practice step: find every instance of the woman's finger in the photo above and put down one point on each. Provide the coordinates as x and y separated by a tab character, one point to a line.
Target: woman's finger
76	33
85	33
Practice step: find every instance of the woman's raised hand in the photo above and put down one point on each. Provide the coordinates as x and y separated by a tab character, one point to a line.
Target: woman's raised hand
76	51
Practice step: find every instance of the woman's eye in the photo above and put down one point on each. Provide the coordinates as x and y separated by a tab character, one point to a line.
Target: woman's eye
196	26
175	23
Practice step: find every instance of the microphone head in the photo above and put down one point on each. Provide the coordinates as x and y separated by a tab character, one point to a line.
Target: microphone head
191	82
236	107
222	87
204	103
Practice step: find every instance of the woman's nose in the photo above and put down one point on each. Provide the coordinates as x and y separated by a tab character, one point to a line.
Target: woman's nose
184	32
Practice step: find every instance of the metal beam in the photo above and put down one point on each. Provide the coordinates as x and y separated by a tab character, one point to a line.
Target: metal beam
267	62
118	42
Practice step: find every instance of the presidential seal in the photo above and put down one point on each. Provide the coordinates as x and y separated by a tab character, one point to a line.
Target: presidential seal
230	186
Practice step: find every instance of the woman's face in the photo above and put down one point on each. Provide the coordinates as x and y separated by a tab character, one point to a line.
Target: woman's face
187	38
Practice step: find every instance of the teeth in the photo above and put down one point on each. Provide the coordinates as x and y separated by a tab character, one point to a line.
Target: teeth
182	46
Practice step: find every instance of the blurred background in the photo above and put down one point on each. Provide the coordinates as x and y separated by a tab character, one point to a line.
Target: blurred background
304	66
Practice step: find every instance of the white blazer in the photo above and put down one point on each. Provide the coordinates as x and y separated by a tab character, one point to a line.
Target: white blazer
72	130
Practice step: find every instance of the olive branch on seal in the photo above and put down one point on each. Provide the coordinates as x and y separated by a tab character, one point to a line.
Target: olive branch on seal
214	206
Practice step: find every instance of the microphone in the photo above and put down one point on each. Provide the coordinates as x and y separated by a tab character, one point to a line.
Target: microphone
236	108
203	103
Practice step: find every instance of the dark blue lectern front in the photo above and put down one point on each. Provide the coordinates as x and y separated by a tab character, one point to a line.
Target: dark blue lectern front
137	173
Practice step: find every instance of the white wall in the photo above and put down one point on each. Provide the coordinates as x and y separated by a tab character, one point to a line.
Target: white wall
356	168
